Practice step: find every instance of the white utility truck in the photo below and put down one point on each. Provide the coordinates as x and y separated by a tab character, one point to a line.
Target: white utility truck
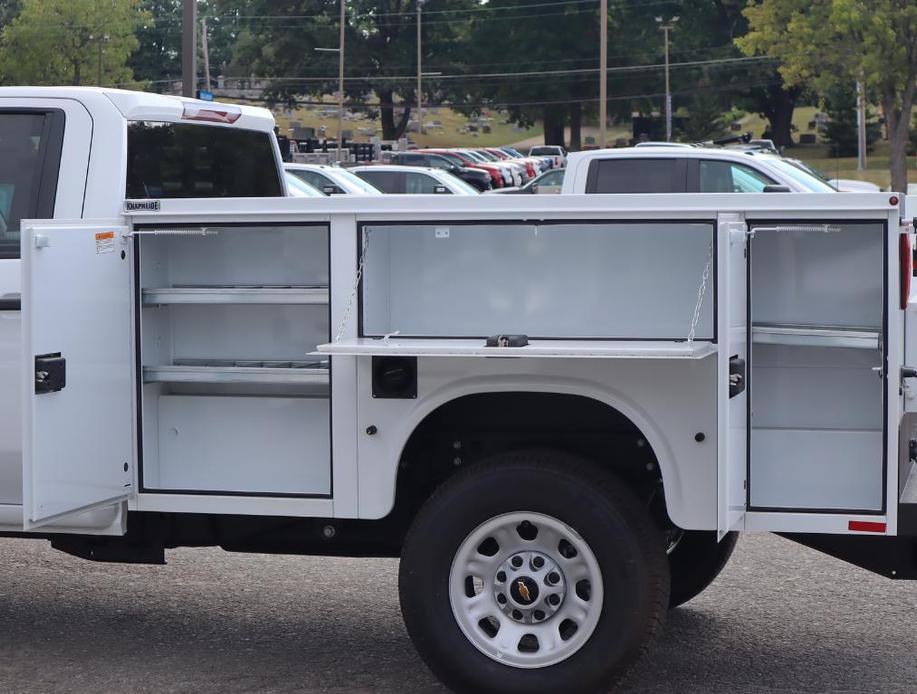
557	410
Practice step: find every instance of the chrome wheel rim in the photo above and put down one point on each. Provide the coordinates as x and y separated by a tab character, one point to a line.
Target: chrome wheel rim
526	589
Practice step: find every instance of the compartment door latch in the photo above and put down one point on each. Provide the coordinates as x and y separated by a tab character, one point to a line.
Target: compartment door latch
50	373
736	376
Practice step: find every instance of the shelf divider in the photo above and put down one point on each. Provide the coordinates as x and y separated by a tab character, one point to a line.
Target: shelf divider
815	336
234	295
235	374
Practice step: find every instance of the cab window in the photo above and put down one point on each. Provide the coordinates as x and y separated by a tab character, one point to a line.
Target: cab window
183	160
643	175
30	148
730	177
438	162
412	159
318	181
419	183
386	181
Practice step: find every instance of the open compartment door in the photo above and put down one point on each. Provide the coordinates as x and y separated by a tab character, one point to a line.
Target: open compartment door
77	369
732	373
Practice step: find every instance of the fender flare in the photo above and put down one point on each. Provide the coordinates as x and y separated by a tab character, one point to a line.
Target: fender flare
481	385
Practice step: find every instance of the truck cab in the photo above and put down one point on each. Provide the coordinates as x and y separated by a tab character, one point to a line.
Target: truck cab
74	153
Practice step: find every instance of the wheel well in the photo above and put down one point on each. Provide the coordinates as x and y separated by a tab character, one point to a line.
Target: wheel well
474	427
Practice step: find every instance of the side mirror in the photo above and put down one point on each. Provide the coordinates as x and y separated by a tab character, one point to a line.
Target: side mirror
440	189
776	189
329	190
534	188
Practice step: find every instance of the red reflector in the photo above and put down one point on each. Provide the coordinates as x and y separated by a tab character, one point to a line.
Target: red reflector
893	200
210	113
866	526
906	259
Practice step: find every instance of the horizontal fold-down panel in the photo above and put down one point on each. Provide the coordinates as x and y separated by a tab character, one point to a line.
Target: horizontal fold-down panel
570	349
570	280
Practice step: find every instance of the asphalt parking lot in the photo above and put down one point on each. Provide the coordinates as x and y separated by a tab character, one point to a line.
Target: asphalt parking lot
781	618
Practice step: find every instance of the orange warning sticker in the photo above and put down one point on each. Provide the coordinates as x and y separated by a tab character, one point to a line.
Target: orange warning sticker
105	242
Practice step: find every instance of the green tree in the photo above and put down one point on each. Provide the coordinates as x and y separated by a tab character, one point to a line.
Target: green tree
825	43
159	36
706	119
840	132
538	63
8	10
159	59
278	38
70	42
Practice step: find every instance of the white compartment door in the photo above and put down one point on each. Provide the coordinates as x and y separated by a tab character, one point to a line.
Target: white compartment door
78	369
732	372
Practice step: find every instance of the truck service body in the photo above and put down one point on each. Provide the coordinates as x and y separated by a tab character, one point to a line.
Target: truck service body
559	411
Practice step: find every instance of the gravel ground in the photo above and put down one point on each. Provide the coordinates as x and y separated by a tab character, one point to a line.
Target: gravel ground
781	618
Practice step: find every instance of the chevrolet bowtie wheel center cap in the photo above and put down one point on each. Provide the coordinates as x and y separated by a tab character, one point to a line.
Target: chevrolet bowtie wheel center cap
529	587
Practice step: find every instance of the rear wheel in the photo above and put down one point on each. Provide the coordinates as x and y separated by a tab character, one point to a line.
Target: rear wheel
695	560
533	573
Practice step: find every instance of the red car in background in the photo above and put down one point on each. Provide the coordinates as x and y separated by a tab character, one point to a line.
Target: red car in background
530	169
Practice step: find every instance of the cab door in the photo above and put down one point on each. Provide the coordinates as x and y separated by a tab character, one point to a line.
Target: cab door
77	370
732	372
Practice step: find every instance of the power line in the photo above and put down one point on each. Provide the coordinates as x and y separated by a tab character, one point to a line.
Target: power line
497	105
480	9
512	75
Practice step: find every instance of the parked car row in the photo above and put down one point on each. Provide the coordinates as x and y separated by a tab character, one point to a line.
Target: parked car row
484	168
662	168
456	171
412	180
311	180
331	180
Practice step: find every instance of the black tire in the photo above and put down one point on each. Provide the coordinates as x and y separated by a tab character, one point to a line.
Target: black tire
626	544
695	562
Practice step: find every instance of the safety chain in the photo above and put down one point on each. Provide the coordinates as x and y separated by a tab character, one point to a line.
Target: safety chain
701	291
356	287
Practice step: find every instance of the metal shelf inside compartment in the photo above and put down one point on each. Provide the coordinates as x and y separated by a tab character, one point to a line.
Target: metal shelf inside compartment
815	335
239	371
236	293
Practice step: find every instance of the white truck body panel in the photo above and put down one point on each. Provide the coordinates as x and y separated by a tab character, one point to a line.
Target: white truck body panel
674	390
692	499
78	441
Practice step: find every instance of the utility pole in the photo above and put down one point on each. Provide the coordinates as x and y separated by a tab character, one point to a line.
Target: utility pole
666	28
341	83
861	127
603	73
189	48
419	73
340	51
102	39
206	54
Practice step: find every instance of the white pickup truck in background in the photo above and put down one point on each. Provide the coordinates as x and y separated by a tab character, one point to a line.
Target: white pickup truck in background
687	169
558	411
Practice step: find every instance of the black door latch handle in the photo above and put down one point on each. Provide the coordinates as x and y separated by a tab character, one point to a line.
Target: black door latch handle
50	373
736	376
